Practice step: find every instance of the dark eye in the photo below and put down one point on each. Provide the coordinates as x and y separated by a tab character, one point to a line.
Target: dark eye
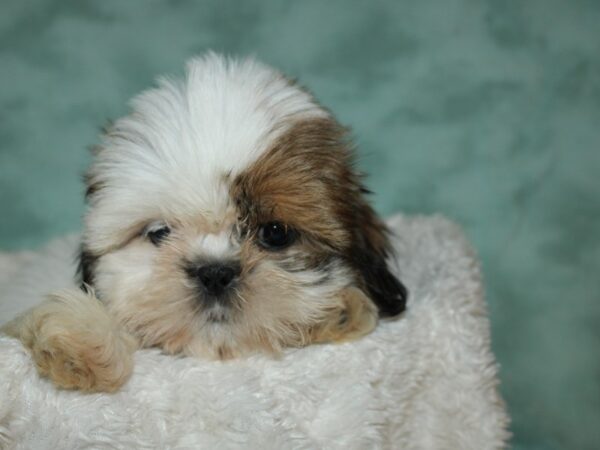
275	235
158	233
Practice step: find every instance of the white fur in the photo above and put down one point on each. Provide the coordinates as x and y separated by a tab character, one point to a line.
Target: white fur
168	159
425	381
174	161
215	245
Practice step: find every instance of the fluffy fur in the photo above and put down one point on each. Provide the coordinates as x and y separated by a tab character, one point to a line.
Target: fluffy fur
427	381
183	195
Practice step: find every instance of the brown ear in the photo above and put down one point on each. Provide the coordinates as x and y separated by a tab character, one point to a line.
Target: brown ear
86	266
368	254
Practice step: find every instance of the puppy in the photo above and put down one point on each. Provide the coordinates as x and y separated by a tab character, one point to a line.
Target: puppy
224	218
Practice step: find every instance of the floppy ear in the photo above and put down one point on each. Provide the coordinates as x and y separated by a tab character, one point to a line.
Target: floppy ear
86	265
369	252
86	260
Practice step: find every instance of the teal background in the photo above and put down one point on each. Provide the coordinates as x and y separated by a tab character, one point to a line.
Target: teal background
486	111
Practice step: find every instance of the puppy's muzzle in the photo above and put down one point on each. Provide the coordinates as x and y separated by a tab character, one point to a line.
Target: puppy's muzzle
215	279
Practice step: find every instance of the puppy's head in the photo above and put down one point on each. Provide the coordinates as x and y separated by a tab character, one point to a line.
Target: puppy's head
225	215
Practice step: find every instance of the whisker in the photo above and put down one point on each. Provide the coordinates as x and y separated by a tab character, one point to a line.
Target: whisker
243	299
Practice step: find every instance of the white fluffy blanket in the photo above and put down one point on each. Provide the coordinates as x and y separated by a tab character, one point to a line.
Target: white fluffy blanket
424	381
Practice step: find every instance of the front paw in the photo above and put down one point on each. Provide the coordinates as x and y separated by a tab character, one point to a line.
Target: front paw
76	344
80	361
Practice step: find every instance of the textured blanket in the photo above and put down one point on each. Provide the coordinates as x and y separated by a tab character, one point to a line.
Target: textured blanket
424	381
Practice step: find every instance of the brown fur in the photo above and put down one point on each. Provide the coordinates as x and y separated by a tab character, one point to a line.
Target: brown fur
305	181
75	343
353	318
300	182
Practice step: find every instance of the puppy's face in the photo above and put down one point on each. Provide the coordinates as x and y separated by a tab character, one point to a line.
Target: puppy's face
225	215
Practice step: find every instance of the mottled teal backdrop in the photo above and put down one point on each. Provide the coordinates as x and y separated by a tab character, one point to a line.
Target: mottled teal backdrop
486	111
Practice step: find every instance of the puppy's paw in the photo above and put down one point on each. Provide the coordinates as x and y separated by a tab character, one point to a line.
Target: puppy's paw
75	343
356	316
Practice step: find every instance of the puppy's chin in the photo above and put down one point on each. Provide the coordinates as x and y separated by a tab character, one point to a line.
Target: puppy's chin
217	314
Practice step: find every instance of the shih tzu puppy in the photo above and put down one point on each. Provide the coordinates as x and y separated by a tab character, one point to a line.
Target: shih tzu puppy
225	218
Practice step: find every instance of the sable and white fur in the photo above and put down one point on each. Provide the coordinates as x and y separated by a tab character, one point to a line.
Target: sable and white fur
427	381
213	159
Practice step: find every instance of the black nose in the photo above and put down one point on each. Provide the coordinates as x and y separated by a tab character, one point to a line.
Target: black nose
216	278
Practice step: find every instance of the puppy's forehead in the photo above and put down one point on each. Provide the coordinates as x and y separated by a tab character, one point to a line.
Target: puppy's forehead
176	154
220	120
